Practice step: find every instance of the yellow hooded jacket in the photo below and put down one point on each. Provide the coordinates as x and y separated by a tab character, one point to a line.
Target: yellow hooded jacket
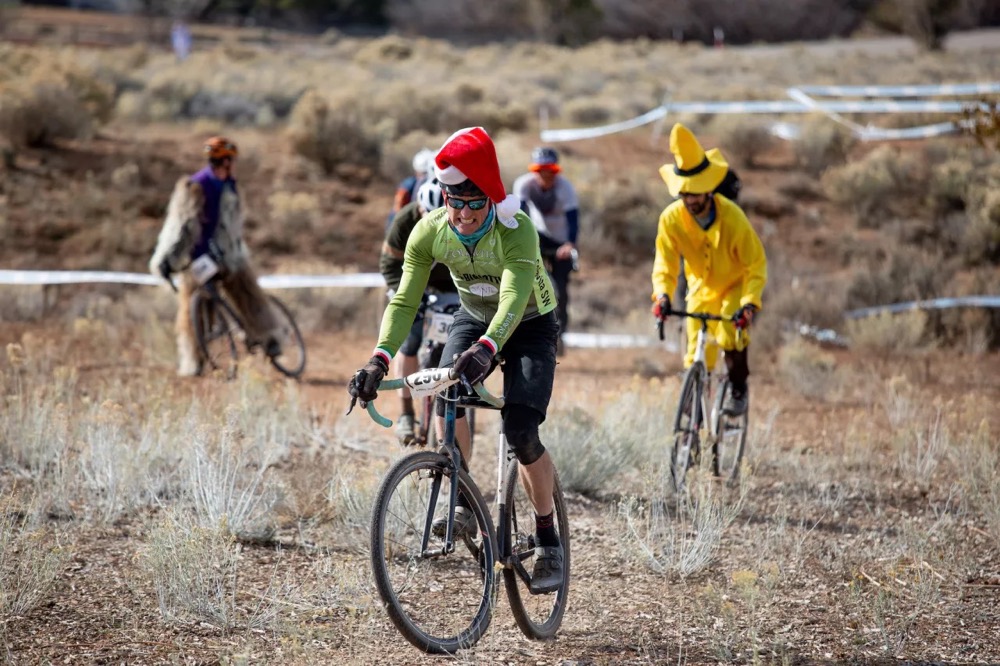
726	257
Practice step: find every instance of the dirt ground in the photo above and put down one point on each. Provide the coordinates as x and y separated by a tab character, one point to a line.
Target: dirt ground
620	611
839	552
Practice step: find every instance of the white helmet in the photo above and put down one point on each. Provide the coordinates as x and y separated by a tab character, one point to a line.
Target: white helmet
423	161
429	196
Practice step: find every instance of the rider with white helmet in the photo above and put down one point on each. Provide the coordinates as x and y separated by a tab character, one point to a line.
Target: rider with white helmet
429	197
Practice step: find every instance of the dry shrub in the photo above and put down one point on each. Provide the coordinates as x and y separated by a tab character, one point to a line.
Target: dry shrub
980	242
789	306
41	109
621	217
888	333
909	274
331	131
822	144
743	138
397	156
29	565
876	186
294	212
587	111
808	370
800	187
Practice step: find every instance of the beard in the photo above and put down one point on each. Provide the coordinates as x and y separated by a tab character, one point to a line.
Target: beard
697	209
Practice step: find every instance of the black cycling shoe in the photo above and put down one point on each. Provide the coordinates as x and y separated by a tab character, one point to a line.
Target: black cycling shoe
736	402
547	574
273	348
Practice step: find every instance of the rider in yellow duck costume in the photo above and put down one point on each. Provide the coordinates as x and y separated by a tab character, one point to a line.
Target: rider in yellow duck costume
724	260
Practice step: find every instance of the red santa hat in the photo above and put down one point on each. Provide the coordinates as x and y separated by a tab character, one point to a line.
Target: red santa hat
469	154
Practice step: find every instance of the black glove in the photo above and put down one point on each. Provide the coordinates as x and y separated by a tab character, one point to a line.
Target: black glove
364	383
475	363
661	309
744	317
165	269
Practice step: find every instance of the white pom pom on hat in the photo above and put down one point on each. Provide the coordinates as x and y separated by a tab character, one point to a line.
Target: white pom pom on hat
469	154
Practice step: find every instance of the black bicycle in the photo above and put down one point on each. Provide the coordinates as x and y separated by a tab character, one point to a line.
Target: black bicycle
727	434
440	597
218	327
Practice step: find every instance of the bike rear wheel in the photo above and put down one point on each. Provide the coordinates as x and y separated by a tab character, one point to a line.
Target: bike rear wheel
441	603
537	616
215	327
730	437
292	359
687	423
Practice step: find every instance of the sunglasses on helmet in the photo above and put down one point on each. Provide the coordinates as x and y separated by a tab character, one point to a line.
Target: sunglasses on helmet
473	204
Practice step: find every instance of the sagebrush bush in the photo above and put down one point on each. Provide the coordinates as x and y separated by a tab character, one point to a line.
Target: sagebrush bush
883	182
582	451
294	212
29	565
908	274
622	216
808	370
822	144
743	138
332	132
980	242
888	333
41	109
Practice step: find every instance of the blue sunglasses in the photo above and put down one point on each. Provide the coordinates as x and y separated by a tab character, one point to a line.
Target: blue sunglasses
473	204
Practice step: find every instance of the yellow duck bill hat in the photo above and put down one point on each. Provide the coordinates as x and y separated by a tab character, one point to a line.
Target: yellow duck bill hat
694	171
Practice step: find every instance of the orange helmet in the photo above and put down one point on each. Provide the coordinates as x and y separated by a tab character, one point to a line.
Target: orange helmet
219	147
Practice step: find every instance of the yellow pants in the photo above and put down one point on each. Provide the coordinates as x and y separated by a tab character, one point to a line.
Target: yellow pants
724	332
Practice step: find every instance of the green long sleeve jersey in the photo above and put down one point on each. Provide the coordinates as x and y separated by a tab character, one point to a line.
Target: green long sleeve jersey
500	282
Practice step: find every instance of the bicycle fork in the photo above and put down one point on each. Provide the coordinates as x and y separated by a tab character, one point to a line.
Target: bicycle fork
455	464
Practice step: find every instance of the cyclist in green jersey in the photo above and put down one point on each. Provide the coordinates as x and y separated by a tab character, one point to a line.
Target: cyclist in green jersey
508	306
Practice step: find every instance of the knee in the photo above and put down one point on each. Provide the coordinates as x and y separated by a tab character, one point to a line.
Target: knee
521	429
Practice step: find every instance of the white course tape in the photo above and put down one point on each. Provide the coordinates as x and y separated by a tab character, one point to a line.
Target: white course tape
801	103
615	341
266	281
773	107
932	304
953	90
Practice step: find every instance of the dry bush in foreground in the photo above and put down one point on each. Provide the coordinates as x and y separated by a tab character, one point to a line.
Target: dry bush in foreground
679	535
194	570
29	564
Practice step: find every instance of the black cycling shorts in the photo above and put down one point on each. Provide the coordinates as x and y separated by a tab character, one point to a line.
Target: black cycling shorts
529	357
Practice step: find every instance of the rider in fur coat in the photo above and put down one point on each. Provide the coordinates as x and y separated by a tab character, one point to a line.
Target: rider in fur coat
205	219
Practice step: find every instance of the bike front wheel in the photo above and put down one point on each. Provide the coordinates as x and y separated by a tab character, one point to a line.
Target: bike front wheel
537	616
730	437
687	423
214	328
292	359
440	602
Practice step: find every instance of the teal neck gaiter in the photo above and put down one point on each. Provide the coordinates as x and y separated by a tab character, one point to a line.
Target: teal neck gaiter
470	240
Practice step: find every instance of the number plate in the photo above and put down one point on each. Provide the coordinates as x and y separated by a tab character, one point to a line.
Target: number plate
438	330
204	269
